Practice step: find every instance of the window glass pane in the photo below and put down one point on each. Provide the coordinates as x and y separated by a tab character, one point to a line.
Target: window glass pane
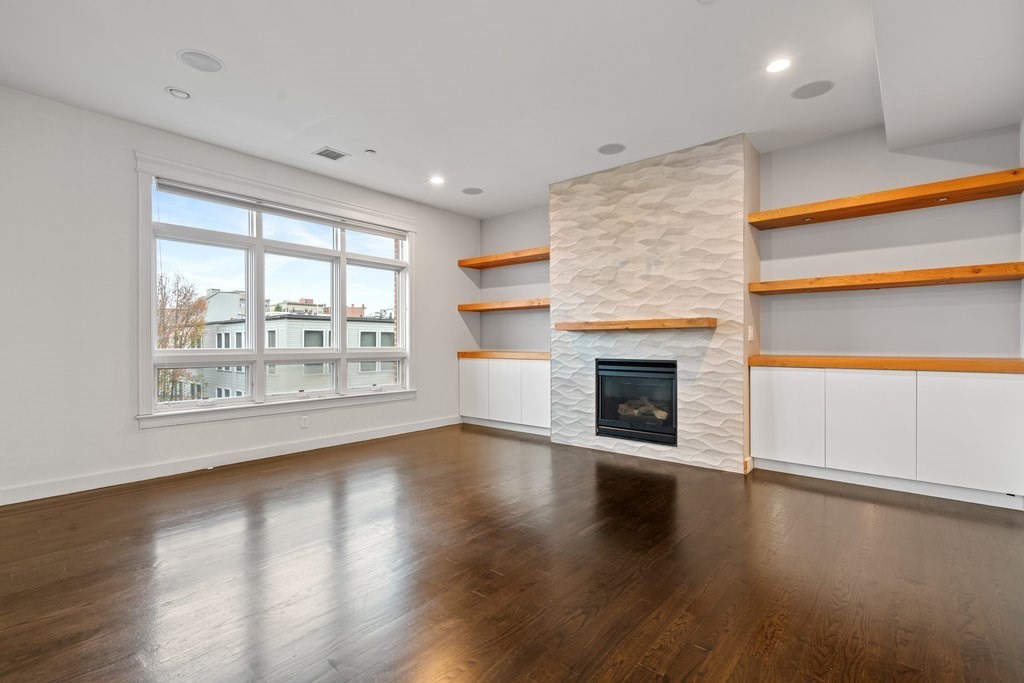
301	232
368	366
375	293
298	292
271	339
292	378
198	213
367	338
200	292
387	338
174	385
384	374
374	245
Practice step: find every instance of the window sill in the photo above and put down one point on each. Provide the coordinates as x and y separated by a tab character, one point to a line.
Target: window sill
299	405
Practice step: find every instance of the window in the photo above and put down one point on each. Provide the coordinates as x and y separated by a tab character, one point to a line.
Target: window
227	267
313	338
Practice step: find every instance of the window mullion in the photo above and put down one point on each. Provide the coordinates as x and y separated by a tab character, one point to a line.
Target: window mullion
403	322
341	315
214	238
376	262
257	311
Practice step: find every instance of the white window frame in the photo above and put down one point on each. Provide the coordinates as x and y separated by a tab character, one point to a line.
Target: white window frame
278	200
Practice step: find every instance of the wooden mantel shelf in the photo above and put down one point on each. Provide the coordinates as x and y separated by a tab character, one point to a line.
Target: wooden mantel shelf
509	258
510	355
969	189
998	365
652	324
516	305
992	272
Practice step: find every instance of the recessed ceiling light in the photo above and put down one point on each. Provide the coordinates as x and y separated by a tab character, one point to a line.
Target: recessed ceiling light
611	148
812	89
178	92
436	180
371	152
204	61
778	65
472	190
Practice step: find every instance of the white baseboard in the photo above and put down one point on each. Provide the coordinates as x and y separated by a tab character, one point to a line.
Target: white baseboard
922	488
507	426
58	487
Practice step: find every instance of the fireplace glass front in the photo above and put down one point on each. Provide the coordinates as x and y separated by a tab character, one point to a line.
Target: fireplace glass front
636	399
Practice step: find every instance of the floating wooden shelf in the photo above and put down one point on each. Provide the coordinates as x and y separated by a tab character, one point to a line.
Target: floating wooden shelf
509	258
517	305
1005	365
993	272
513	355
653	324
953	191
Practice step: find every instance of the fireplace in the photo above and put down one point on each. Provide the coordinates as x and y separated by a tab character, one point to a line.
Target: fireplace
636	399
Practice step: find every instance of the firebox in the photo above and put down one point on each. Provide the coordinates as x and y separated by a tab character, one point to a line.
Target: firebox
636	399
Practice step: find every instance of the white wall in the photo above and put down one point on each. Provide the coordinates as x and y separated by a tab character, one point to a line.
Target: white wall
519	330
963	320
69	250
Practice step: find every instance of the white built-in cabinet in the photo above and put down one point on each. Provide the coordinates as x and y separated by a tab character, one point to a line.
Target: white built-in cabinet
788	423
536	393
970	430
953	428
870	423
506	390
473	387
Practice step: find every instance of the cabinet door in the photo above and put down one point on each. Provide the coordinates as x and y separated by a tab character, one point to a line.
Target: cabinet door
787	415
970	430
537	393
505	390
871	422
473	387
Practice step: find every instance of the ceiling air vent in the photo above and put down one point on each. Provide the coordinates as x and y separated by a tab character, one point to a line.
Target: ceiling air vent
328	153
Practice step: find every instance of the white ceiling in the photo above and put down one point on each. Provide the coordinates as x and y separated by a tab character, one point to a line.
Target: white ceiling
949	68
507	96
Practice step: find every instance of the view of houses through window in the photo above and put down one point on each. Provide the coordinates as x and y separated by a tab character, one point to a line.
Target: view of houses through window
206	255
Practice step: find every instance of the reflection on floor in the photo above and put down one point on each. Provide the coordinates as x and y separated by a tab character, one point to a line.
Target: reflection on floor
469	554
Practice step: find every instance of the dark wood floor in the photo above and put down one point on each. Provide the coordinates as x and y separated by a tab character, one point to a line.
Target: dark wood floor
467	554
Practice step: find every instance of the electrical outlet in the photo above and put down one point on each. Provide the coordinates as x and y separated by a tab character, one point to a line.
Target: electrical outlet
750	333
304	421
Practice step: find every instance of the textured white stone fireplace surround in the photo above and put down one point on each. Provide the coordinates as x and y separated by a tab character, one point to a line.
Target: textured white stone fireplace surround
659	238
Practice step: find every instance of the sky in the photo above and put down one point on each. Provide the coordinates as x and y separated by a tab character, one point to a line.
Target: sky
286	277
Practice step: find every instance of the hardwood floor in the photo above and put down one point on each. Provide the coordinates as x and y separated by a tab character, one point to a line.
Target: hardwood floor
464	554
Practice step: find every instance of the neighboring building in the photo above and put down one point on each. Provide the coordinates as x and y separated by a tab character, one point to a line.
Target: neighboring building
290	324
221	305
302	306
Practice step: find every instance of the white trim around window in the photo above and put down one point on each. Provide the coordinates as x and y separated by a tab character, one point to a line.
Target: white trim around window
258	197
